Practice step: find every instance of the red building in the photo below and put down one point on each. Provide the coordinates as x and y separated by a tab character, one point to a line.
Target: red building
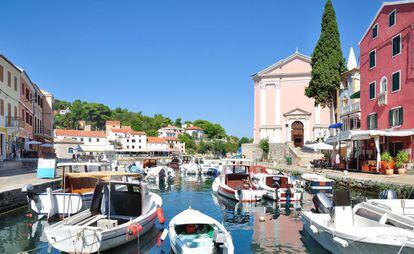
387	76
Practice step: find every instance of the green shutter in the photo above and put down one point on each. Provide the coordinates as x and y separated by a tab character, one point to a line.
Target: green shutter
375	121
390	118
396	81
401	116
368	125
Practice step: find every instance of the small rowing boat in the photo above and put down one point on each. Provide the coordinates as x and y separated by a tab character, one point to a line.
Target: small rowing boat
192	232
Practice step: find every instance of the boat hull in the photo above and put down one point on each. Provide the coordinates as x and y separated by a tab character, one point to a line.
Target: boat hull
248	195
51	203
353	245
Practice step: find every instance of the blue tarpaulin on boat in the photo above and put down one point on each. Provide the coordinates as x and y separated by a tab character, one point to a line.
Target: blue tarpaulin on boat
335	126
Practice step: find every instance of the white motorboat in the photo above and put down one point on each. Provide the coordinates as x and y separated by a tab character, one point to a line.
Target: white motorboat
365	228
234	183
277	187
120	212
193	232
75	194
317	182
400	206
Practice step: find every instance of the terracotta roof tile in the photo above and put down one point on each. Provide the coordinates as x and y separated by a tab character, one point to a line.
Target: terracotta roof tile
78	133
155	140
112	123
190	128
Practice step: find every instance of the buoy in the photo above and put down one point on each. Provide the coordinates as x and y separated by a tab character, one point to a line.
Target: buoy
29	215
160	215
262	218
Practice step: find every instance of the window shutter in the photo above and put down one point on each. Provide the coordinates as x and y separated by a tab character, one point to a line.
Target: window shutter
401	115
390	118
376	121
368	123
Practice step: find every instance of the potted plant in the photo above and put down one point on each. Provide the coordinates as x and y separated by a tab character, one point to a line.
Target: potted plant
386	163
401	161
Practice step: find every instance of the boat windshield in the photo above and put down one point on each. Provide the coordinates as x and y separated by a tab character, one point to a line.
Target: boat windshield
235	169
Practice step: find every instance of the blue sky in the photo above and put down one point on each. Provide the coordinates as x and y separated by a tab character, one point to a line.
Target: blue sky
189	59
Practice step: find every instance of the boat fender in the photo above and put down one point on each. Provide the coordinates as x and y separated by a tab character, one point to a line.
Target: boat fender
164	234
160	215
134	229
314	229
341	241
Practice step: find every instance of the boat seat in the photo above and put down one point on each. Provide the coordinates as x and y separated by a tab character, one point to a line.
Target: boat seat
197	240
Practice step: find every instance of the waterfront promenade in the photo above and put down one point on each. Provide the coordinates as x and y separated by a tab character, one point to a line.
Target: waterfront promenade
12	181
372	182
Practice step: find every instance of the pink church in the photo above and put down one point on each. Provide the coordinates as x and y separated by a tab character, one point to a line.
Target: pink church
282	111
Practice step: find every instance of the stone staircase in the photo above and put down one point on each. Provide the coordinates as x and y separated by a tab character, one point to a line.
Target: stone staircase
303	157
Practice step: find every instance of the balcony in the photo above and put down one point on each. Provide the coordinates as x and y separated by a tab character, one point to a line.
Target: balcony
351	108
382	99
14	123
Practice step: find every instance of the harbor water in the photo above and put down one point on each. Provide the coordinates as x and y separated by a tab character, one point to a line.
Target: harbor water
280	232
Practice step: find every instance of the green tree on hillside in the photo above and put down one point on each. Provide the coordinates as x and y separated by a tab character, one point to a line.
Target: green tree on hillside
212	131
327	63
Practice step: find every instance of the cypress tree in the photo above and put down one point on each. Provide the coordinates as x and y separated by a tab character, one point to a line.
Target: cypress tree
327	63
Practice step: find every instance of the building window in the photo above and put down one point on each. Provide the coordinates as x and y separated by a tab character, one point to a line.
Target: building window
90	140
1	73
8	79
27	118
70	150
133	147
372	121
31	120
372	59
396	79
139	147
1	107
392	18
127	147
128	140
396	45
97	140
81	139
383	86
375	31
27	94
372	91
22	88
133	140
15	83
395	117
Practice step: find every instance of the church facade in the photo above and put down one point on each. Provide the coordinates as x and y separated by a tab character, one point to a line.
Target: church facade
282	111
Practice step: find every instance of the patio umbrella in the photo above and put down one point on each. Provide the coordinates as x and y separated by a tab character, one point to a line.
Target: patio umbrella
46	145
32	142
320	146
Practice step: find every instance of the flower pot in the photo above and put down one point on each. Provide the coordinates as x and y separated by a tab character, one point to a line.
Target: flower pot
389	171
402	171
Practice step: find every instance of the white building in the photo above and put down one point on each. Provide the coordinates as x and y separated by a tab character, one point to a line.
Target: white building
195	131
170	131
156	144
93	141
174	145
128	140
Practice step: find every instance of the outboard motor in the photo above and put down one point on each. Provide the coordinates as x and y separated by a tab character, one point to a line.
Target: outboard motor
388	194
219	239
29	189
322	203
215	172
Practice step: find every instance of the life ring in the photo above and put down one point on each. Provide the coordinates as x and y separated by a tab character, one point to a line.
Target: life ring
133	230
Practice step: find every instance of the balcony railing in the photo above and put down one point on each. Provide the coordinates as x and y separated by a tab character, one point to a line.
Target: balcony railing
351	108
382	99
14	122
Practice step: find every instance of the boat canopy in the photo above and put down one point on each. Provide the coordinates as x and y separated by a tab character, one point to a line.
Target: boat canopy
235	169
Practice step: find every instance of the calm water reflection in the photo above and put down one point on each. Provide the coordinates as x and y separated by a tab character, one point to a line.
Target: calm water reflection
280	233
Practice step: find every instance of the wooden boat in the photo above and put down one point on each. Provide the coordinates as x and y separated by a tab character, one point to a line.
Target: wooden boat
365	228
277	187
234	183
120	212
193	232
317	182
75	194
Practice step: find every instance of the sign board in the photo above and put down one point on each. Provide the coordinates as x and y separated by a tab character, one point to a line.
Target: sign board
46	168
